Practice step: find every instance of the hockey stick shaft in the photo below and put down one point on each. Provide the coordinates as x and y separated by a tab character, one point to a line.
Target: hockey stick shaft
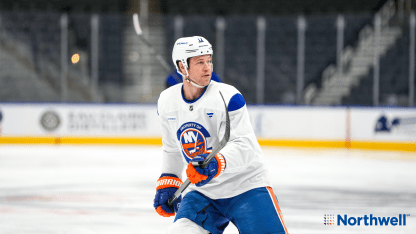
139	33
208	159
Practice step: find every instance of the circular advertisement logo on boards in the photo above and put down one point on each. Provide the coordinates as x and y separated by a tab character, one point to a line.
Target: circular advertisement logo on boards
50	121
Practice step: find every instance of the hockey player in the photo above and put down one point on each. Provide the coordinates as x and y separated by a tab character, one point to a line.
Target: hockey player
234	186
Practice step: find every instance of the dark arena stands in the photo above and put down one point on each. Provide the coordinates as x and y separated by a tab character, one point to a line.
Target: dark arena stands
394	78
30	31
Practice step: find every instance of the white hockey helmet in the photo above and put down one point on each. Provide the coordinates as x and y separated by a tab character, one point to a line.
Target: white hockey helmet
188	47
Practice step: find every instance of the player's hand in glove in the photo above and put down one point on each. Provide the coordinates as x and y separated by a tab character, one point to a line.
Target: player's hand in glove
201	176
167	185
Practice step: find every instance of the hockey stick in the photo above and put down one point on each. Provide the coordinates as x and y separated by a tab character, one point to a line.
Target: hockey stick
208	159
139	33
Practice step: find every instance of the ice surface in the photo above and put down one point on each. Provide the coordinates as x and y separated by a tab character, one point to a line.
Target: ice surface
110	189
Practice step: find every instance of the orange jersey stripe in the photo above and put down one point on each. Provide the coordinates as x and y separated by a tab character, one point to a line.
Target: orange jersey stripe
276	206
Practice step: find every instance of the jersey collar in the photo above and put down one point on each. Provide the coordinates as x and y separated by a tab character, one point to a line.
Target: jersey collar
193	101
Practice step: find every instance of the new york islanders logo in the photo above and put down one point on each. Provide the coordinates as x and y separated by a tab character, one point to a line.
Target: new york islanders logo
192	137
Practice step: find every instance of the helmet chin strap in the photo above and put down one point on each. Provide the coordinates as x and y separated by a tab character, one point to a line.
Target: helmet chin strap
192	82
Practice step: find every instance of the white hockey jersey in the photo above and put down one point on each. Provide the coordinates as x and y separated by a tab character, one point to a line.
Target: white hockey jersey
191	127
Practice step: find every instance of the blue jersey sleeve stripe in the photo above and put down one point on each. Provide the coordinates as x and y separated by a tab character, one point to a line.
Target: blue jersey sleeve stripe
236	102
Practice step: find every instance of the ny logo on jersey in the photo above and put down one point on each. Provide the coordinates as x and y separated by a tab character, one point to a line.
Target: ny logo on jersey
192	137
193	142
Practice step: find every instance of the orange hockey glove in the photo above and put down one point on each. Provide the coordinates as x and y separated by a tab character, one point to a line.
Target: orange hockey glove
201	176
167	185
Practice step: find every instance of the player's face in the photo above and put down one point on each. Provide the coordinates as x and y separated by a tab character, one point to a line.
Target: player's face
200	69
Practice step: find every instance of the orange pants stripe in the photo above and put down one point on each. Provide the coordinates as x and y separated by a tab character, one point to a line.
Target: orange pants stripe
276	206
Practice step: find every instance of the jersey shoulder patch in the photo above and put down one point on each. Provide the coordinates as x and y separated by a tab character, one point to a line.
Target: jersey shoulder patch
236	102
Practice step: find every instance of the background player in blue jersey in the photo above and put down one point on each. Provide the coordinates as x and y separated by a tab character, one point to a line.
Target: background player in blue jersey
235	186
